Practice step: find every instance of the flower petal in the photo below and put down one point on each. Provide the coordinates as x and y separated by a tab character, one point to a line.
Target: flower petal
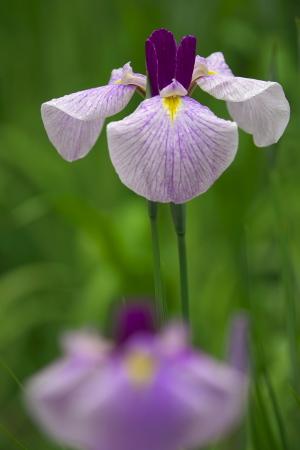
149	417
52	394
258	107
155	393
185	60
205	385
171	149
74	122
166	48
73	138
200	68
152	67
216	63
265	116
174	89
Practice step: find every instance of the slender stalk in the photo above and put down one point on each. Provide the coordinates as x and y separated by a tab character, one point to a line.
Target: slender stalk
179	220
158	285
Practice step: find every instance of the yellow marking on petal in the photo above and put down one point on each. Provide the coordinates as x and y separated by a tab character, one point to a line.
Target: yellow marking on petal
172	104
211	72
140	368
119	81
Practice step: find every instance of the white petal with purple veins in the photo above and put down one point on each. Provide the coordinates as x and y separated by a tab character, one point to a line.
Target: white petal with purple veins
73	138
265	116
74	122
96	103
171	152
258	107
234	89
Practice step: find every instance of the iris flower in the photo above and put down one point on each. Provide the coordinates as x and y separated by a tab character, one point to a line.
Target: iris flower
146	390
172	148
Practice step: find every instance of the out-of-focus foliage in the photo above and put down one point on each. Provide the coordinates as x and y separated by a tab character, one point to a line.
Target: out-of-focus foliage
74	239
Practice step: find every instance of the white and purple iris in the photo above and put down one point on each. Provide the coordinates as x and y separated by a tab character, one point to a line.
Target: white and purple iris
146	391
172	148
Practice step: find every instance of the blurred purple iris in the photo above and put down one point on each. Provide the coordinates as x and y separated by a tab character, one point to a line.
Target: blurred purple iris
146	390
172	148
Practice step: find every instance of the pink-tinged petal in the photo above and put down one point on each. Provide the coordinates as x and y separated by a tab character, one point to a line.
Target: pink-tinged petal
171	152
153	392
73	122
206	385
132	416
52	394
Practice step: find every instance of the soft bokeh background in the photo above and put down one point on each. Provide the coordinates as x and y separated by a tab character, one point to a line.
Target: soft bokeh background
74	239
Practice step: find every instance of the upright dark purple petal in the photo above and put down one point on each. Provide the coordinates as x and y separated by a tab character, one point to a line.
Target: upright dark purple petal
165	46
133	319
186	54
152	67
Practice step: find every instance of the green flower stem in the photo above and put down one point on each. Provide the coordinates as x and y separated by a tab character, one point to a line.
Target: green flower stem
158	285
179	220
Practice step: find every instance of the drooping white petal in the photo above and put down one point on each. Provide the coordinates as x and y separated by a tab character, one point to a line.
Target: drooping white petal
171	151
233	89
265	116
73	138
74	122
258	107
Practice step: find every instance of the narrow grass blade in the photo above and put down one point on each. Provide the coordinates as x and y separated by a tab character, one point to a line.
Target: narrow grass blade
12	437
294	394
6	367
259	360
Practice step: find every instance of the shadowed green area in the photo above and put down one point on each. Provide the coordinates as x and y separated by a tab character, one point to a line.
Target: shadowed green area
74	239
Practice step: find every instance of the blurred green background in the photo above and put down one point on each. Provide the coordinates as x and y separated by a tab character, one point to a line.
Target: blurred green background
73	239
